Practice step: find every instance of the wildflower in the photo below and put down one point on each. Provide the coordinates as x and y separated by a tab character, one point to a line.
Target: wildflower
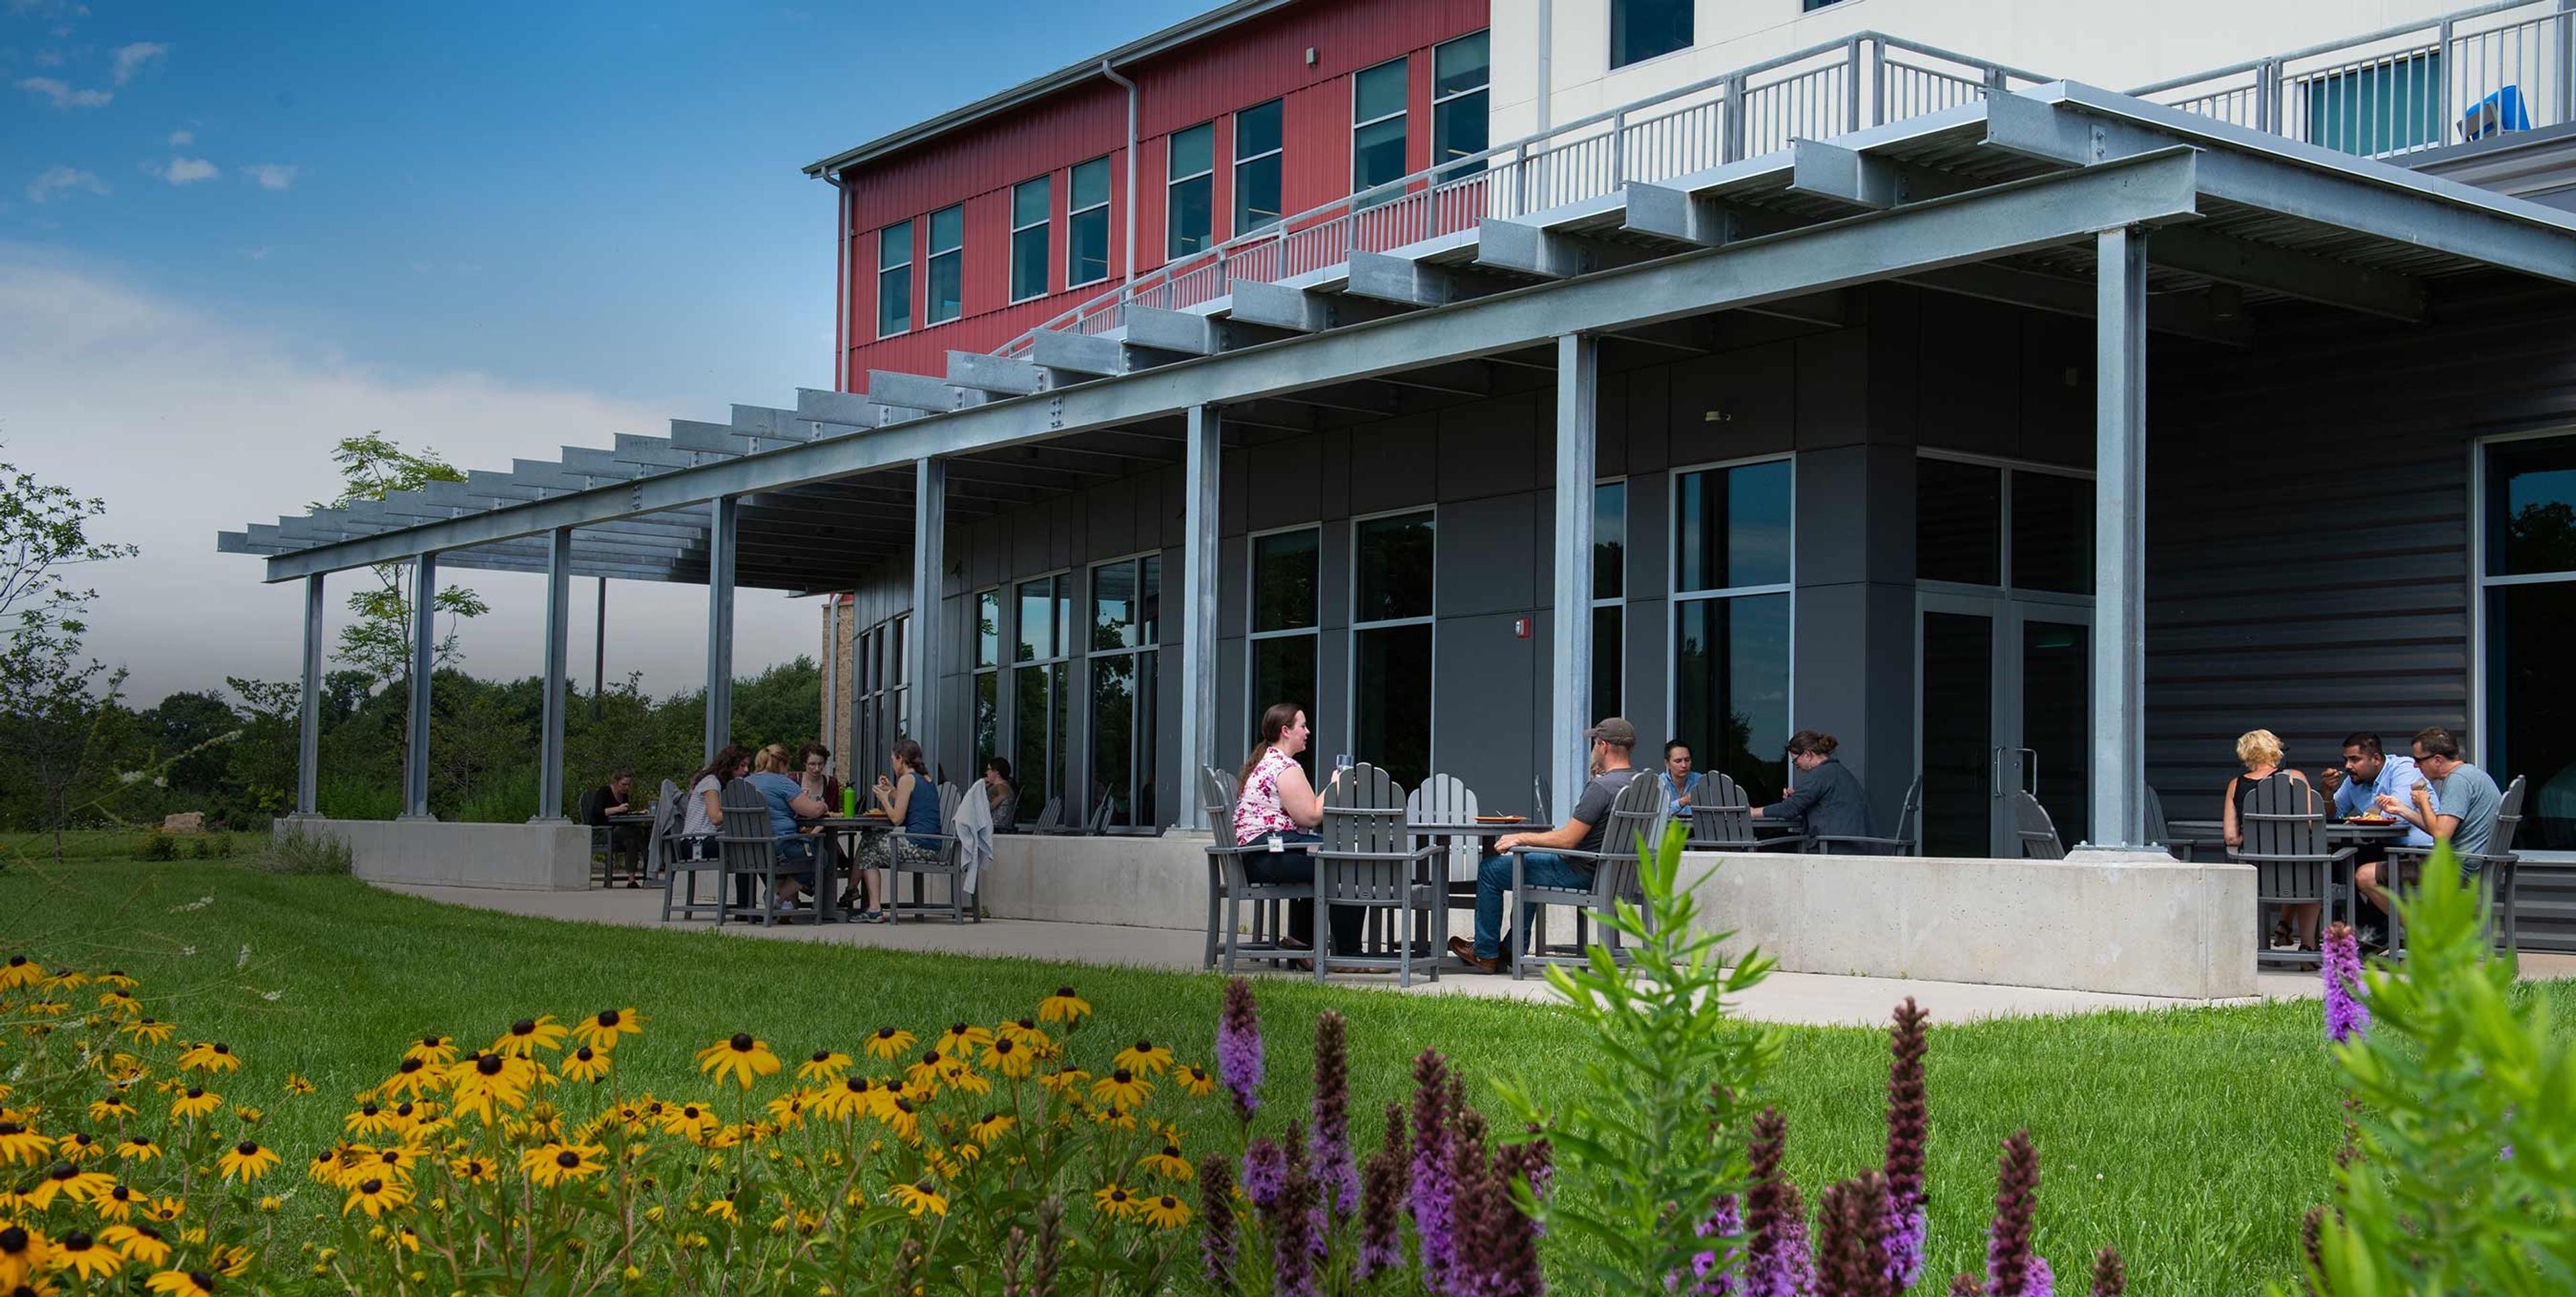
855	1096
1065	1081
922	1198
70	1182
115	1204
1216	1207
1121	1088
79	1253
214	1057
148	1031
1907	1226
1114	1201
740	1057
1195	1081
412	1078
120	1002
182	1283
111	1108
296	1084
434	1051
20	971
1777	1261
472	1170
1852	1251
584	1064
195	1102
246	1160
486	1080
23	1251
825	1065
376	1195
1064	1006
890	1043
19	1144
1294	1238
141	1244
904	1120
924	1074
368	1120
961	1040
2110	1273
722	1209
1265	1170
166	1209
1429	1195
2011	1269
1238	1048
1336	1176
137	1148
966	1080
601	1030
1024	1031
1167	1162
247	1115
2340	966
1166	1212
991	1128
528	1035
551	1164
1381	1233
1009	1057
1145	1058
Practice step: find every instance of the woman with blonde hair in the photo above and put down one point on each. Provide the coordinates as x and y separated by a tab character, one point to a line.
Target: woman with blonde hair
2260	751
789	800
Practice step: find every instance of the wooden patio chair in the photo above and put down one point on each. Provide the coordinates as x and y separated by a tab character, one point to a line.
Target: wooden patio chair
2038	833
1445	799
681	861
2498	874
1368	860
745	849
1721	817
1637	813
2283	829
1230	889
945	861
1907	842
1099	822
1051	819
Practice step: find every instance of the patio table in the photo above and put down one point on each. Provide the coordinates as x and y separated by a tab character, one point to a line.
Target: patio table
642	866
855	830
1450	833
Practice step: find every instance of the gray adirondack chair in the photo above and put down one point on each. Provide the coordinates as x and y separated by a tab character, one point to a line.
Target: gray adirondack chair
667	820
1907	842
1229	889
682	861
2283	830
744	848
1099	821
945	861
1538	801
1445	799
1721	817
2038	833
1216	797
1368	860
2499	865
2159	834
1637	812
1051	819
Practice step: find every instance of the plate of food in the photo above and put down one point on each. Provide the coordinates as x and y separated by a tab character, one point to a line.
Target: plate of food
2371	821
1502	819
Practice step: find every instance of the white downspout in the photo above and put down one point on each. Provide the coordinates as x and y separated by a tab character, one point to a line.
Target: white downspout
1546	59
1115	79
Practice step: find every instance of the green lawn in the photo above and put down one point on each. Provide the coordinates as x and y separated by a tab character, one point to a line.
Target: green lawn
2191	1139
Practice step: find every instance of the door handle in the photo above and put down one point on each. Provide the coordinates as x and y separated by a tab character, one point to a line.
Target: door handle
1995	773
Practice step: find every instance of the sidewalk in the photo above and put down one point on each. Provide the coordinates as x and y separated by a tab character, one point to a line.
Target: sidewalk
1812	999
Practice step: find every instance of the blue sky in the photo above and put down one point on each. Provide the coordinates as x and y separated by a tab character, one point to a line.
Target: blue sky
232	232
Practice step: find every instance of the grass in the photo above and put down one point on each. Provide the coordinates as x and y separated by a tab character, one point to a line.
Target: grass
2191	1139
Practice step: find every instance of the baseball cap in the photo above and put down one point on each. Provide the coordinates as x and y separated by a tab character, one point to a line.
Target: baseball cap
1616	731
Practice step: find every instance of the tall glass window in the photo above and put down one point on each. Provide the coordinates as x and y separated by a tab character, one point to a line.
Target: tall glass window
1190	199
2527	579
1609	597
1258	152
1391	640
1460	70
1086	225
1377	126
1285	575
894	279
945	273
1030	204
988	678
1642	29
878	697
1039	676
2011	525
1126	614
1731	596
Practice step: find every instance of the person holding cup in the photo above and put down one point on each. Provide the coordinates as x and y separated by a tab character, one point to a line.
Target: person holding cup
1279	810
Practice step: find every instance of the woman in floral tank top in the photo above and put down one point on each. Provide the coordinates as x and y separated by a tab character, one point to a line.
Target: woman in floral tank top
1277	799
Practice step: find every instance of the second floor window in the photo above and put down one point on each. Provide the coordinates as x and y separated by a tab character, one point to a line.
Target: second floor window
1460	72
945	280
1257	155
1192	195
894	279
1642	29
1377	126
1029	203
1086	225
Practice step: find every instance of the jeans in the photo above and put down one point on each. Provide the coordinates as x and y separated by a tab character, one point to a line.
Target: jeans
1292	866
796	851
1494	877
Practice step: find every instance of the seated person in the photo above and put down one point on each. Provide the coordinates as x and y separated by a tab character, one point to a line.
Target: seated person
2366	775
1681	783
815	766
789	800
911	800
2457	804
1613	740
2260	750
1278	803
624	840
1827	797
1000	795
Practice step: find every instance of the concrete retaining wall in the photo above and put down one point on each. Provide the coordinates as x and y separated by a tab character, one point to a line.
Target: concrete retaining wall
1139	881
530	857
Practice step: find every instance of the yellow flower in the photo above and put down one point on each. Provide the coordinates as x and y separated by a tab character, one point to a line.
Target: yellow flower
137	1148
272	1203
112	1108
120	1002
1166	1212
528	1035
1145	1058
903	1119
601	1030
688	1119
966	1079
413	1078
23	1252
585	1064
215	1057
325	1167
183	1283
1122	1088
855	1096
78	1252
722	1209
246	1160
139	1243
167	1209
1009	1057
1066	1080
488	1079
1196	1082
991	1128
552	1164
472	1170
922	1197
1115	1116
118	977
115	1204
376	1195
368	1120
924	1075
1168	1163
1113	1201
148	1031
825	1065
960	1040
296	1084
19	1144
740	1056
247	1115
20	971
1026	1032
72	1183
1064	1006
78	1147
195	1102
435	1051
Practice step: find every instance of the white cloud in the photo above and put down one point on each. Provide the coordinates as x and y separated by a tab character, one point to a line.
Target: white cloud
64	180
178	138
62	95
188	421
185	171
49	58
271	175
131	58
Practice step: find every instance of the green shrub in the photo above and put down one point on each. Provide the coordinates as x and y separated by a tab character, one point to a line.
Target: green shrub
197	849
298	852
157	846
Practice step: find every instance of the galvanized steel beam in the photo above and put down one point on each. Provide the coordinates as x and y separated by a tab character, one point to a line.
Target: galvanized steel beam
1578	413
550	744
2118	704
999	375
424	628
722	517
929	573
308	711
1199	538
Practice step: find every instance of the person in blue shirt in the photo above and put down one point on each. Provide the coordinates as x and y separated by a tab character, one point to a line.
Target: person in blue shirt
2369	773
1681	783
790	799
911	800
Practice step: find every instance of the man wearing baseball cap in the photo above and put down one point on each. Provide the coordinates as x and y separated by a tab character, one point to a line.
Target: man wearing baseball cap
1613	741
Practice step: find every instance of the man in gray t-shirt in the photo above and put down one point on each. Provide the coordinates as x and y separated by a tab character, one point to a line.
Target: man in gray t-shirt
1613	742
2460	804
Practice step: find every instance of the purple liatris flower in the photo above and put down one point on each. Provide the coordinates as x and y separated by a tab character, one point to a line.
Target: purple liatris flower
2011	1268
1238	1048
1381	1232
2346	1015
1709	1275
1902	1238
1430	1198
1294	1244
2042	1281
1265	1171
1777	1262
1335	1175
1216	1221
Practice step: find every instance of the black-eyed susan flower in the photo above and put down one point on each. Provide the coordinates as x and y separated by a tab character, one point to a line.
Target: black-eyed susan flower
552	1164
1010	1058
824	1065
1196	1081
246	1161
115	1204
149	1031
78	1147
137	1148
209	1056
375	1195
1115	1117
195	1101
992	1127
965	1079
1168	1163
232	1260
23	1252
601	1030
738	1056
412	1078
1064	1006
120	1002
922	1198
1026	1031
166	1210
111	1107
118	977
141	1244
1144	1058
297	1085
68	1181
1114	1201
585	1064
392	1160
77	1252
854	1096
1121	1088
472	1170
485	1082
961	1039
368	1120
436	1051
325	1167
1164	1211
889	1043
903	1118
528	1035
19	1144
722	1209
248	1115
183	1283
689	1120
20	971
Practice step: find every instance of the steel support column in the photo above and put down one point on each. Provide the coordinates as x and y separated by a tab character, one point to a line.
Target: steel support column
550	747
2118	812
832	679
1578	383
599	653
308	737
1198	608
929	568
424	626
724	514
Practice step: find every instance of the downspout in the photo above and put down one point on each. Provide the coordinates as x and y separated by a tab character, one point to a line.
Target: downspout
1112	73
1546	60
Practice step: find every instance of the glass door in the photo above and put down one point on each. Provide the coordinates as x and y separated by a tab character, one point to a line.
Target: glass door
2001	704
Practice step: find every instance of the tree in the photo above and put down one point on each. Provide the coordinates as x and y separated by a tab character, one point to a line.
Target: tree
50	721
379	642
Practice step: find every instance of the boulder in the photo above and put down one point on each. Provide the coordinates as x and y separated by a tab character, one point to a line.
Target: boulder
184	822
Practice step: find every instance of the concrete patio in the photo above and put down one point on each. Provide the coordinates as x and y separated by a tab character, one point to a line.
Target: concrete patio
1795	998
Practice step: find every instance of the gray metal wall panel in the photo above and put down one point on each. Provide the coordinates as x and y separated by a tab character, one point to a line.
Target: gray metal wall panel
1392	465
1112	516
1493	447
1734	404
1481	736
1285	484
1832	391
1477	538
1649	428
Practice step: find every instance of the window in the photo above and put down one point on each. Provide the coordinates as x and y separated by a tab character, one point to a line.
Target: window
2019	526
946	278
1257	154
1126	614
1377	127
1086	226
2385	106
2527	580
1284	627
1642	29
1391	638
1190	202
1731	621
894	279
877	693
1038	687
988	678
1030	201
1609	596
1459	73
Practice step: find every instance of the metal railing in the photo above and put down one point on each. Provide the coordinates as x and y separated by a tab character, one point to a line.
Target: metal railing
2458	78
1868	79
